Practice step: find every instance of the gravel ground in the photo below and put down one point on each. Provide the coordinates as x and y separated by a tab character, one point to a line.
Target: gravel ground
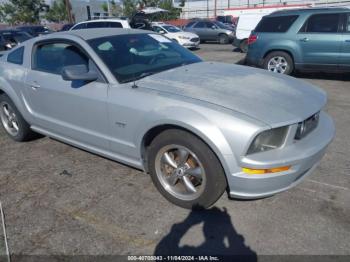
62	200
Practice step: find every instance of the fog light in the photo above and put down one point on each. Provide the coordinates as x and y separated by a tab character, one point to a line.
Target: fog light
252	171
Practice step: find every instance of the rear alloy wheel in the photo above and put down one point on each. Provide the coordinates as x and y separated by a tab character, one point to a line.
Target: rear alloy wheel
223	39
12	121
185	170
279	62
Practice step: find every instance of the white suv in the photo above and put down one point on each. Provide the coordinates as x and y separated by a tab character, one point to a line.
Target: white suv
186	39
102	23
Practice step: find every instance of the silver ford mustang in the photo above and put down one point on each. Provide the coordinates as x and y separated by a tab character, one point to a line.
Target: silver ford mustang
199	128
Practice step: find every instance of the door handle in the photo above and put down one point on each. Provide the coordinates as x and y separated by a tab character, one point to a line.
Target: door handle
34	85
304	39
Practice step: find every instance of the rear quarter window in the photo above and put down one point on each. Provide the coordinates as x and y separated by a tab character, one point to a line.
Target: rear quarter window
16	56
275	24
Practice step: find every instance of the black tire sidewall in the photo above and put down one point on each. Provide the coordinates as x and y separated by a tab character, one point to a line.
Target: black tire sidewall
286	56
215	177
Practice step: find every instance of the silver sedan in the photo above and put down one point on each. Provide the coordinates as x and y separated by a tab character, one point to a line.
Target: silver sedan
198	128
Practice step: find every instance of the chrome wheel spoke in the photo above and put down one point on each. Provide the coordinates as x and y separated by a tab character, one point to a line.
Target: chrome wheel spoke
188	184
173	179
195	172
6	111
168	160
15	125
183	156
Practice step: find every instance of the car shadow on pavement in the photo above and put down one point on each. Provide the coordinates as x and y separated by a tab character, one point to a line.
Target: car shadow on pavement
323	76
221	238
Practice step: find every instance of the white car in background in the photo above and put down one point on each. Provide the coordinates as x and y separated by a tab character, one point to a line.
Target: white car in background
186	39
102	23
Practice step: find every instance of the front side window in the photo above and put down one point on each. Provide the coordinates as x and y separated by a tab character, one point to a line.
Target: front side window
275	24
347	26
322	23
200	25
115	25
96	25
171	28
53	57
157	29
16	56
131	57
79	26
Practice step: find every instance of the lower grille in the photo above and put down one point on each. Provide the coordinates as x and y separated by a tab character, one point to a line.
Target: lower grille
196	39
307	126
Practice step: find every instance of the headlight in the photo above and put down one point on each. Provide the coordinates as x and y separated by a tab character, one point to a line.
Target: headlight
269	139
184	37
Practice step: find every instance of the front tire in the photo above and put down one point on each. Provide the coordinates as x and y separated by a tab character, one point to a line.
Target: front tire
185	170
13	122
279	62
223	39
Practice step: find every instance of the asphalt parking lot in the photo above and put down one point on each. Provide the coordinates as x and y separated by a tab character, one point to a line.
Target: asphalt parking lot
61	200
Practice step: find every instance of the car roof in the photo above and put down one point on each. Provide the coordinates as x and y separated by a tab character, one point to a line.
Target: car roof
310	11
88	34
104	20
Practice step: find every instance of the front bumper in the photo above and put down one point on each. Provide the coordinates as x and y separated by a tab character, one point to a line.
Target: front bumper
189	44
303	156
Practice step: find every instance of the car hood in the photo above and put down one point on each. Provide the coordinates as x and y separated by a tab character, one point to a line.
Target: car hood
269	97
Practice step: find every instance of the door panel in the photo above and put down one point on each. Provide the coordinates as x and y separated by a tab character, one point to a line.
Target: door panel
320	40
344	62
73	109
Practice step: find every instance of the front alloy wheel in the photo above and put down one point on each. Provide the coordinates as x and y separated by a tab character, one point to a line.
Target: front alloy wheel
180	172
185	170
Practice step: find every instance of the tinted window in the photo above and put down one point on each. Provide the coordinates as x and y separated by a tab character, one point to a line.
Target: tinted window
348	24
115	24
131	57
16	56
157	29
80	26
275	24
16	37
323	23
209	24
96	25
200	25
190	24
53	57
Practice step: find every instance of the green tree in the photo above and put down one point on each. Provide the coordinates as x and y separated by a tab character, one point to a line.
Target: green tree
115	9
21	11
129	7
173	13
57	12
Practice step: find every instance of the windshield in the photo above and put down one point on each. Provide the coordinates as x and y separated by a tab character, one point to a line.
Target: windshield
131	57
220	25
16	37
171	29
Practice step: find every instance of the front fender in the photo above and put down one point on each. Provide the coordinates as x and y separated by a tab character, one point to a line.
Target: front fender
195	123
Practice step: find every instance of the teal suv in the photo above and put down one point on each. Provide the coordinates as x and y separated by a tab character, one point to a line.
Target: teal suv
304	39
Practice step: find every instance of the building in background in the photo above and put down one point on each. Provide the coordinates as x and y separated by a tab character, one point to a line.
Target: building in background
213	8
83	10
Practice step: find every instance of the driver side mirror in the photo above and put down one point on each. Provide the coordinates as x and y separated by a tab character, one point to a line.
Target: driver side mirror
78	72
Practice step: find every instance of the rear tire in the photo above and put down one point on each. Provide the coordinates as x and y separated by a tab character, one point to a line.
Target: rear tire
279	62
244	46
223	39
13	122
177	158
